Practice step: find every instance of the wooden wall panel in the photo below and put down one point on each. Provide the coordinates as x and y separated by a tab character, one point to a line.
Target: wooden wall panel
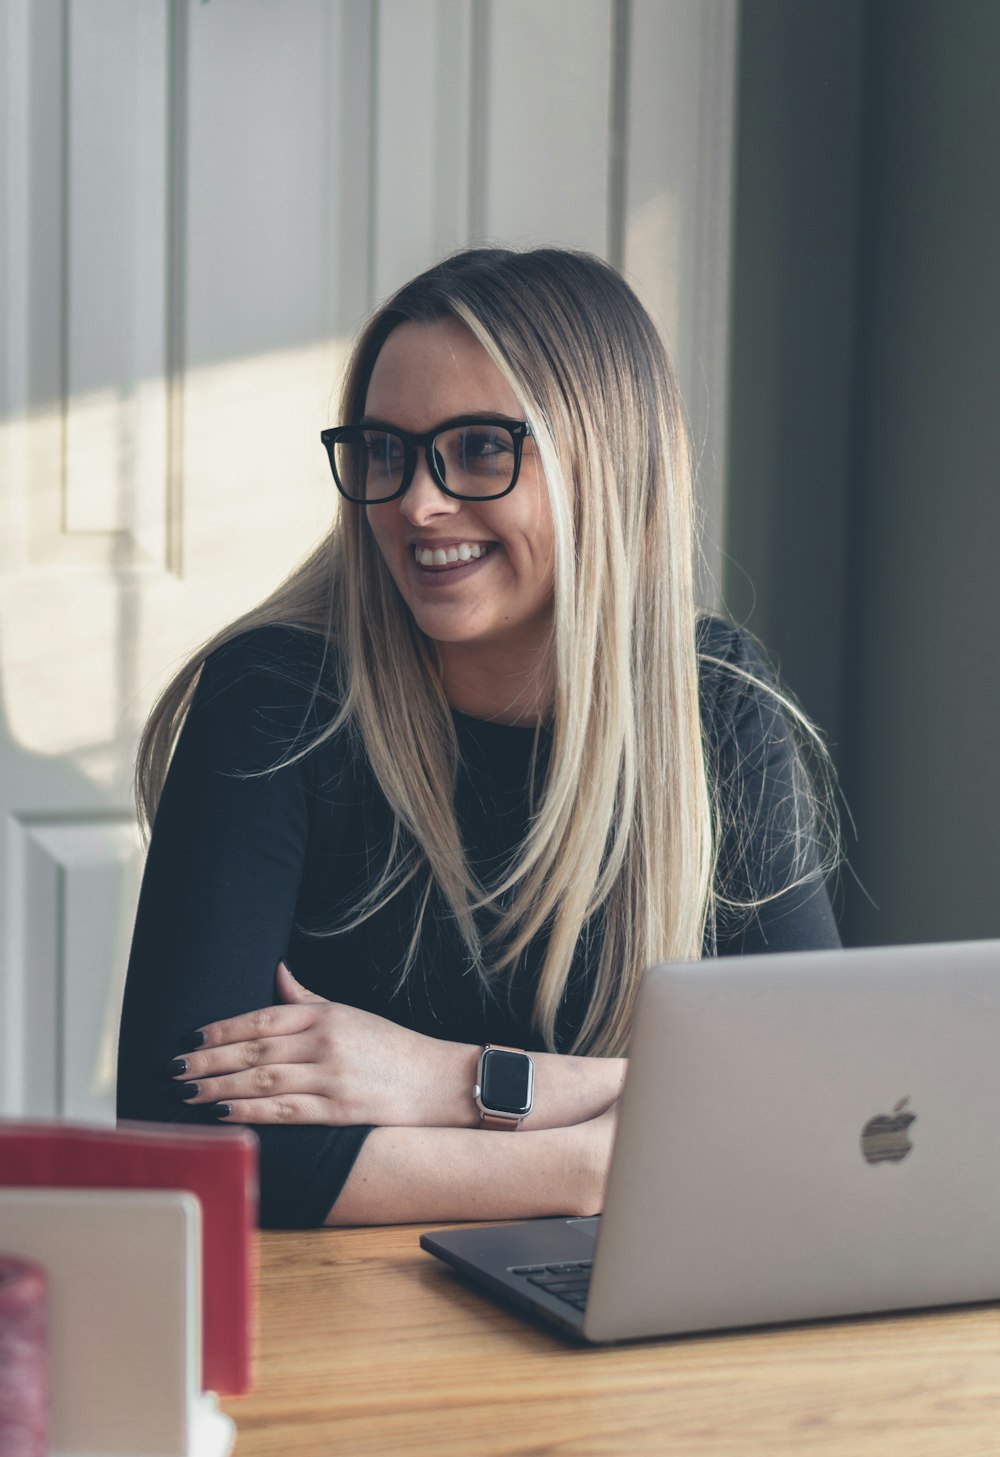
86	154
259	246
547	102
421	107
76	884
269	217
348	179
32	248
115	273
677	199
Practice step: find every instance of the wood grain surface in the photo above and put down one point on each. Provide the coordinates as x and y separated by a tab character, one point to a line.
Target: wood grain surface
370	1346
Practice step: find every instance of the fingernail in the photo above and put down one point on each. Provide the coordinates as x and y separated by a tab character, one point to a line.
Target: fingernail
220	1110
192	1043
187	1091
177	1067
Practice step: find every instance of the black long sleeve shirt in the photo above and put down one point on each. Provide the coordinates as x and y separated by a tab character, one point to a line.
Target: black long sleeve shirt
249	864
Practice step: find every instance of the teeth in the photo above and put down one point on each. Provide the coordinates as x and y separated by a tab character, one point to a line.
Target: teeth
439	557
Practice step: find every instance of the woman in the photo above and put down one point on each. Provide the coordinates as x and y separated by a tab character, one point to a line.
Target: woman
473	767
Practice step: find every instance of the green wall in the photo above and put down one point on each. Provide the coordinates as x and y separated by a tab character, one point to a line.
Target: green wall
864	452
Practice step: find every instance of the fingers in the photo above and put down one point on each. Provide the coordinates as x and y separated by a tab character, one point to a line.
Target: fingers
266	1084
289	990
295	1108
239	1056
252	1026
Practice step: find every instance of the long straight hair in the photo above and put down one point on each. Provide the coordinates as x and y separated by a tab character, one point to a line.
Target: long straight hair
624	828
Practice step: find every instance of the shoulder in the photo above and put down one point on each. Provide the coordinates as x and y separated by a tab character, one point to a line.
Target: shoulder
722	647
298	661
735	679
282	678
777	834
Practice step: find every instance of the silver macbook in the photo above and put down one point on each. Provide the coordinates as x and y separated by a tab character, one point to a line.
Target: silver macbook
803	1135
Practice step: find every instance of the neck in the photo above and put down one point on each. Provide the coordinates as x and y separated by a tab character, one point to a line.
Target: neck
504	685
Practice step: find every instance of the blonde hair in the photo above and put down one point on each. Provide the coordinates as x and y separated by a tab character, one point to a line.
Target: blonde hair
623	836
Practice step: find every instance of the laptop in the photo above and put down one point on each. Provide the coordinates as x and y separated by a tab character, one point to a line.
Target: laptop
803	1135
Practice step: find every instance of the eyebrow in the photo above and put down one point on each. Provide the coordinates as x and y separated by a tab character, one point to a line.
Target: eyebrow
466	415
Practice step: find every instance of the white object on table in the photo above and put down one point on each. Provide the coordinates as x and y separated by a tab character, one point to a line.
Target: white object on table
124	1319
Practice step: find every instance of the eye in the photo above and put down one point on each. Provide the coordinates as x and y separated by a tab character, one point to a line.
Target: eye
386	458
484	443
479	449
383	446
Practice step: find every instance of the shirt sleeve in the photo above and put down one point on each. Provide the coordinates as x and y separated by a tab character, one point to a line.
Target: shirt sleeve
217	905
769	851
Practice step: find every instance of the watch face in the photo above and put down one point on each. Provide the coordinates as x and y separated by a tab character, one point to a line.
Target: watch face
506	1082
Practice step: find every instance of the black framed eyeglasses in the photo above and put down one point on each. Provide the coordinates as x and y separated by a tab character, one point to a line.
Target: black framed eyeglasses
472	458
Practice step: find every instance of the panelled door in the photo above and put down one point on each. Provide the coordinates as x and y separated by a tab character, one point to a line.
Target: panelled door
200	200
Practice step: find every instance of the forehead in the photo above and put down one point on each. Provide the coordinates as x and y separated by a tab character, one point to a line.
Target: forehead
425	373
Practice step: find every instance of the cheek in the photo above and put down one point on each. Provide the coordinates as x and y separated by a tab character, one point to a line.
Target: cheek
381	533
533	520
542	534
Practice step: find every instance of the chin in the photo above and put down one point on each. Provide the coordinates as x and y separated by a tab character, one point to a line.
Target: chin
446	632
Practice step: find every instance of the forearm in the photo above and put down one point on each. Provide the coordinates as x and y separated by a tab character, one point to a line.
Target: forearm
568	1090
416	1175
573	1089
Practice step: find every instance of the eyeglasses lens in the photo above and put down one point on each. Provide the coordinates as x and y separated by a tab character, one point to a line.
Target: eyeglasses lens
369	465
476	460
472	460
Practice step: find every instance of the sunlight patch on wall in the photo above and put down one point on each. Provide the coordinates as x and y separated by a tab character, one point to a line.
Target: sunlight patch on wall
91	619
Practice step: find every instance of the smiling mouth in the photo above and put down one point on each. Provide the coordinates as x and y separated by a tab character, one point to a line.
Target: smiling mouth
445	559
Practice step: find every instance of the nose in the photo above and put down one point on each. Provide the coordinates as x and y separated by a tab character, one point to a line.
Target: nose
424	499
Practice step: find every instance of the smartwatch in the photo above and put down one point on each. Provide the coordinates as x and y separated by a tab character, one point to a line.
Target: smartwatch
503	1092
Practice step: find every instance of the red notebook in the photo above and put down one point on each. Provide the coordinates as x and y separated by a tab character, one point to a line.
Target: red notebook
217	1165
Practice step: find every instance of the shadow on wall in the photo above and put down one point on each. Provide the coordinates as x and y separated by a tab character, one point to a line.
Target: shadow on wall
865	439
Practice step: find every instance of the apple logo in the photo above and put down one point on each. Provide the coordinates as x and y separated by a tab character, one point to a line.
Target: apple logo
885	1138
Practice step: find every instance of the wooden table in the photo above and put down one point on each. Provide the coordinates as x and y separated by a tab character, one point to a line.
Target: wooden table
369	1346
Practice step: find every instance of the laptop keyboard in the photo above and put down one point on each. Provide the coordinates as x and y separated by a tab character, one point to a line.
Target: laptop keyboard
568	1282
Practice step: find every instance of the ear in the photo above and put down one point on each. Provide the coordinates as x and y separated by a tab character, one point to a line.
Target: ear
289	990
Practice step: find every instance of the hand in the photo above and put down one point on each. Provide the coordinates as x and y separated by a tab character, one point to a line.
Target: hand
309	1060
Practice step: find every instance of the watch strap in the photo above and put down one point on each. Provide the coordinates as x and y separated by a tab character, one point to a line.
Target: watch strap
499	1124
